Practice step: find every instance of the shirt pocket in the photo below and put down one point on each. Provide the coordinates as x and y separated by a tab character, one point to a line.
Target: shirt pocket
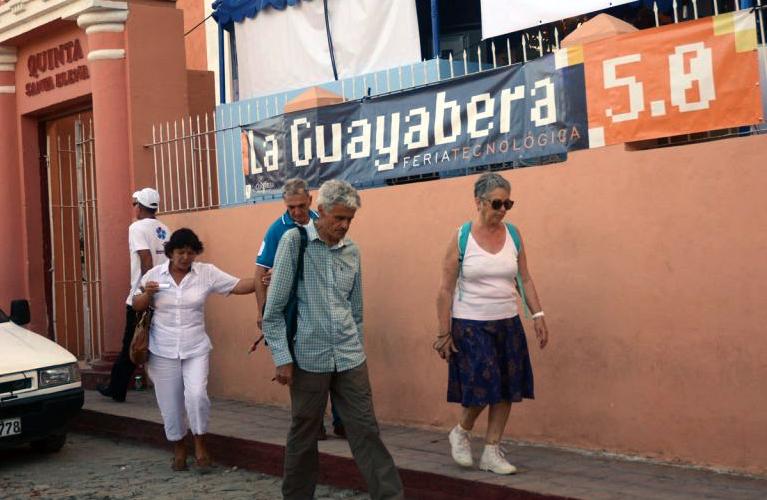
344	272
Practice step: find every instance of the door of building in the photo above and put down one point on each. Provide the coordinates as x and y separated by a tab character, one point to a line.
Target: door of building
73	253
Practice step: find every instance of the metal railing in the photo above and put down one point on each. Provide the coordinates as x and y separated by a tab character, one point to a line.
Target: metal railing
217	145
185	171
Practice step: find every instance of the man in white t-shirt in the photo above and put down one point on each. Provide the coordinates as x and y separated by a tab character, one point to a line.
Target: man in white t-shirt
146	242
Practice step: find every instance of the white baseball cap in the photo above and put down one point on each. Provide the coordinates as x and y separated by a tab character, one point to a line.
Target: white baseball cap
148	197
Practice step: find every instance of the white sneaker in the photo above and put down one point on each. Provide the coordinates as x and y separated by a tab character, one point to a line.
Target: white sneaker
493	460
460	446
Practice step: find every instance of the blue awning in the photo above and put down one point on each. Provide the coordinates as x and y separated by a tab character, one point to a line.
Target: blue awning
226	12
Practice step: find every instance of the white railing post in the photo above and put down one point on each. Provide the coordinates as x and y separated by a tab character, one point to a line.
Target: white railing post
186	167
655	11
194	170
465	63
492	49
162	172
450	60
207	153
154	157
716	8
479	58
540	44
524	47
695	9
170	167
676	15
508	51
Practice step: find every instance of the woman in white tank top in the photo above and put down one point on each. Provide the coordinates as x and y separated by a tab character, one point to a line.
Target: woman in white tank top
481	335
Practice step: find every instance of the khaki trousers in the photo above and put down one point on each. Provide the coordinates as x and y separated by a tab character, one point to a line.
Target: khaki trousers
351	396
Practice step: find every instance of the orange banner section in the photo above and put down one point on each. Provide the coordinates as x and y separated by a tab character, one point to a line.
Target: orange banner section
683	78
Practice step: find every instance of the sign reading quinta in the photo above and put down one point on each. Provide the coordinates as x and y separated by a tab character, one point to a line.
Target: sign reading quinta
42	66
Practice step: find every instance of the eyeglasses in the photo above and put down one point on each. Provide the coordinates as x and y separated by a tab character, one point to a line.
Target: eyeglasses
497	204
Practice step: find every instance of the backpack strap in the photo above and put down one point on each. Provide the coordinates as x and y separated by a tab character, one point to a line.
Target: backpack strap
300	263
463	239
514	235
514	232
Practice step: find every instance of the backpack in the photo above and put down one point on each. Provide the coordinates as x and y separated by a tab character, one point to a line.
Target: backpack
463	239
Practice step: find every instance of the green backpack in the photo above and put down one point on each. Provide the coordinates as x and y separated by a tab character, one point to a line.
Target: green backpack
463	239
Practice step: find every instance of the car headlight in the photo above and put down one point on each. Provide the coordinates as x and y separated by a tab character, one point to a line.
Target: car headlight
58	375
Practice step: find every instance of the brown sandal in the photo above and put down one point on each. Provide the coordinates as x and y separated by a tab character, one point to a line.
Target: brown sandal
203	465
178	465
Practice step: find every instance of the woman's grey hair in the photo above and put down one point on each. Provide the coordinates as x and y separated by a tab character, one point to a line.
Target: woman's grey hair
488	182
337	192
295	186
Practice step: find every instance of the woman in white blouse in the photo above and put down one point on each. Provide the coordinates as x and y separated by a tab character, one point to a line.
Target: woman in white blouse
178	344
480	334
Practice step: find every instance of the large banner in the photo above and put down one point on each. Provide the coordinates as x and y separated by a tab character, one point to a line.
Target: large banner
519	112
678	79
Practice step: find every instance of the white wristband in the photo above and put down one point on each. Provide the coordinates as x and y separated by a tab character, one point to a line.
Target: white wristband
539	314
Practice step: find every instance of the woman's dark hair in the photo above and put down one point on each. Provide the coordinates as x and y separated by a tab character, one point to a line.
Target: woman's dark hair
183	238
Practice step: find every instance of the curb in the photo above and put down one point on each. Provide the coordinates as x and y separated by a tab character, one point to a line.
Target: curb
267	458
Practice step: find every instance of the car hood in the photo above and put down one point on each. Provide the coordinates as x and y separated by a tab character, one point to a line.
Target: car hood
22	350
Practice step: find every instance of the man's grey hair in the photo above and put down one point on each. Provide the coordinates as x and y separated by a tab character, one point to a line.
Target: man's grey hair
295	186
337	192
488	182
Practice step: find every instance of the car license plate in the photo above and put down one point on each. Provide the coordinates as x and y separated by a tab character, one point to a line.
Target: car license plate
10	427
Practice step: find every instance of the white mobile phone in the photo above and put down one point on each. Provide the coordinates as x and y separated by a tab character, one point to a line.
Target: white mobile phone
163	286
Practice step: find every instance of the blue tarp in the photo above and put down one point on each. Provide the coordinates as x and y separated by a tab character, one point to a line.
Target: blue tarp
226	12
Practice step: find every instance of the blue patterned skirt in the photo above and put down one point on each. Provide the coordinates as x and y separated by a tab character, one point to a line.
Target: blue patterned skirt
492	363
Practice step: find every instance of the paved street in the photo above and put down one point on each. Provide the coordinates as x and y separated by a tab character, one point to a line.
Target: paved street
92	467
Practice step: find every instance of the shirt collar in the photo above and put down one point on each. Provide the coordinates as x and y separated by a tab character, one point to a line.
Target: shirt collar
165	271
288	220
312	234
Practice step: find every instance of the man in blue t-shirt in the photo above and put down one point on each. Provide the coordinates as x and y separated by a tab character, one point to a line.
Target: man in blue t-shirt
295	194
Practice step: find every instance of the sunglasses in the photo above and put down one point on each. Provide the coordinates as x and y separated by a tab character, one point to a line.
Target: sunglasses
497	204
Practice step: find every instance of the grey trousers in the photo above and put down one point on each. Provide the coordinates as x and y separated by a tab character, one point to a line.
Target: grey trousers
351	396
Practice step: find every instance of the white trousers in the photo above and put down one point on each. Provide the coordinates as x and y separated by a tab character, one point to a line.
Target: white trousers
179	385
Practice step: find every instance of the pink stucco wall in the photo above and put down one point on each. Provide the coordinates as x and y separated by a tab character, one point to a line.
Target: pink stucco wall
650	265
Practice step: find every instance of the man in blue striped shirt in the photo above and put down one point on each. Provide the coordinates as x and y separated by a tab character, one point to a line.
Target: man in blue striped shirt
328	349
298	202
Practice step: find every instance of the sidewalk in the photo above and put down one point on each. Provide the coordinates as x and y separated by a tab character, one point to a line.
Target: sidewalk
253	436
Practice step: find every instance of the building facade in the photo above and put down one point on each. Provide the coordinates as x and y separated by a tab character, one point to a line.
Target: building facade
81	82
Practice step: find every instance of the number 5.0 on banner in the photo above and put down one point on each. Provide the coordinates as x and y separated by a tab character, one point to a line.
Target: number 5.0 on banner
678	79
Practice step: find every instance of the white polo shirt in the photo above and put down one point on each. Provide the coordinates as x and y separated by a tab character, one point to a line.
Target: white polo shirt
178	324
145	234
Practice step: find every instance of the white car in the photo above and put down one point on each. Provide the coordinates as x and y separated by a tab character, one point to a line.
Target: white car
40	388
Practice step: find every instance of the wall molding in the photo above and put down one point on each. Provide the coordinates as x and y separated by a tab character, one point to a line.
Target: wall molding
106	54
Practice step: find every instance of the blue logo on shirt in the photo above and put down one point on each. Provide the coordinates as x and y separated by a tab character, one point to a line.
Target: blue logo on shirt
161	233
